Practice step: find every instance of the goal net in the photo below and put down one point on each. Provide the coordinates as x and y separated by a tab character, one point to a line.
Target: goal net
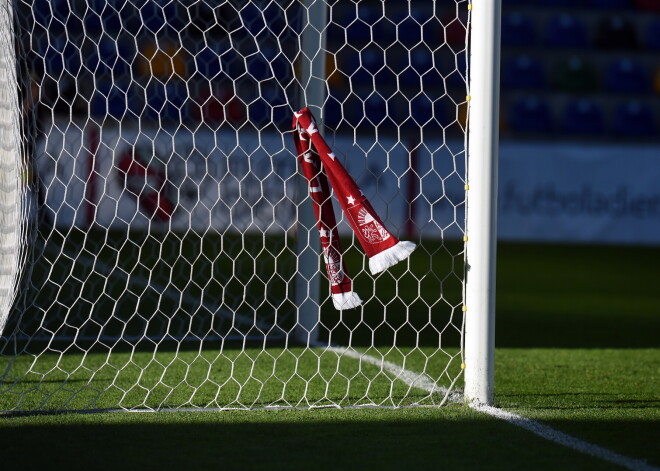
160	246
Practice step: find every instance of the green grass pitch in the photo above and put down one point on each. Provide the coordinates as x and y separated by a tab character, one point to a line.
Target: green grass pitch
577	349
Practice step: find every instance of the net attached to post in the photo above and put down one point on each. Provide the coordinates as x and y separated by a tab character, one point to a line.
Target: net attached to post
163	199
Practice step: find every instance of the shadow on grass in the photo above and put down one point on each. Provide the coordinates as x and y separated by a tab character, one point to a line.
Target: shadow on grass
450	438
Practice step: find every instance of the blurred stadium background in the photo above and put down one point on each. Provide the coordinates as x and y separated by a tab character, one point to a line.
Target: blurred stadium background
570	69
580	82
580	116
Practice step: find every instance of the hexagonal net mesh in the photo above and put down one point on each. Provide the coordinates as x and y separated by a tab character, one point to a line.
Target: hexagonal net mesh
155	203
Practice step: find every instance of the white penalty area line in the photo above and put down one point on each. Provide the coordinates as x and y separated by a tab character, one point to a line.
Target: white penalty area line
423	381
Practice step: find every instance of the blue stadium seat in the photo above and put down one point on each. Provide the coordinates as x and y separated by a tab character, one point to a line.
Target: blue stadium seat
233	64
558	3
332	112
372	60
530	115
409	26
120	100
348	61
166	102
583	117
566	31
65	17
51	16
41	12
280	66
623	4
421	70
523	72
353	111
518	30
259	67
279	21
626	76
358	32
385	31
351	26
259	112
281	111
101	17
111	58
161	16
376	111
397	58
634	119
424	110
336	29
61	55
252	19
207	61
421	59
653	35
453	69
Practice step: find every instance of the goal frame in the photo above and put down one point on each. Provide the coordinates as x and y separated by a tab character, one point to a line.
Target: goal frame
481	212
482	177
481	187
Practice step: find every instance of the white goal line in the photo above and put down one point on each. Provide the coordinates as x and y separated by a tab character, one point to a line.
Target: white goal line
561	438
426	383
423	381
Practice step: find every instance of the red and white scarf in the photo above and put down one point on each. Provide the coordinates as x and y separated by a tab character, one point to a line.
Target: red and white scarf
321	167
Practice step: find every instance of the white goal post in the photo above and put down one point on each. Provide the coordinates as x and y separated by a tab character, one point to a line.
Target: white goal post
163	241
482	201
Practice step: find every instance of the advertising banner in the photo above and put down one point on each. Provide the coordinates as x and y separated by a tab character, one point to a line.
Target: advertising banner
238	180
568	192
242	181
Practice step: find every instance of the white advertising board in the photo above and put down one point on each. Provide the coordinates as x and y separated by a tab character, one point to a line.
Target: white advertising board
237	180
568	192
247	181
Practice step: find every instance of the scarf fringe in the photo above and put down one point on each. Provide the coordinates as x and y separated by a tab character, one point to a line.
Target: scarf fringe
347	300
388	257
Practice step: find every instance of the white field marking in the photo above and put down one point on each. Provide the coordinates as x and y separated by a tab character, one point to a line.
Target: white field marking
411	378
423	381
426	383
564	439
